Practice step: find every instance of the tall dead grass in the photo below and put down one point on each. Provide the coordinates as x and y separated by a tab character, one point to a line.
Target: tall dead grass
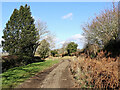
100	72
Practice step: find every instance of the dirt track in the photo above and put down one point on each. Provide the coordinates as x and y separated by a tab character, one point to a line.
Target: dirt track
58	76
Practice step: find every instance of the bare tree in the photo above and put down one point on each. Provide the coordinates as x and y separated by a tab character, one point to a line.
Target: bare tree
63	49
51	38
103	27
42	29
44	33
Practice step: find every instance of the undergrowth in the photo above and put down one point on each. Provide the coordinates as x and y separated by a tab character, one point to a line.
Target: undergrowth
99	72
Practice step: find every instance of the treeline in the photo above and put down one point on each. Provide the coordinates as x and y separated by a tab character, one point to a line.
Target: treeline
68	49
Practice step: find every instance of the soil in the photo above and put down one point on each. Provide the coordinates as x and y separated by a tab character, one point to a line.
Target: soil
58	76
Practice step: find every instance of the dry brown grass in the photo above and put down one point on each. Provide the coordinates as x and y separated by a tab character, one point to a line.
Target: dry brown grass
100	72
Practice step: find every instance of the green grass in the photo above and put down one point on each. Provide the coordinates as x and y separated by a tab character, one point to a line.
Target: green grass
13	77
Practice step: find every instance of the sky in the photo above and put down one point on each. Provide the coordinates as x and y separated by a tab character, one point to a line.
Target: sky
64	19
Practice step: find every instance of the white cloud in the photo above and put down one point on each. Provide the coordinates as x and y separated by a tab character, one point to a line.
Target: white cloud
68	16
77	38
62	42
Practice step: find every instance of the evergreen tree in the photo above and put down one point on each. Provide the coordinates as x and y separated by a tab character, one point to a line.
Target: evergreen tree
20	35
71	47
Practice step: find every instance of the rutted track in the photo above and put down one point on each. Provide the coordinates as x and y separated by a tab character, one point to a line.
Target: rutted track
58	76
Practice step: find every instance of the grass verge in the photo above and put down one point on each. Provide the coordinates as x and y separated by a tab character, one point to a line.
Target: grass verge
13	77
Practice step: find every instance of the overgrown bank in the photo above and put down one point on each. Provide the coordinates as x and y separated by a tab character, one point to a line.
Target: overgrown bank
100	72
98	65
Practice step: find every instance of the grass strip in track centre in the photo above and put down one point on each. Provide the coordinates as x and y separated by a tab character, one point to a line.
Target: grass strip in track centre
12	77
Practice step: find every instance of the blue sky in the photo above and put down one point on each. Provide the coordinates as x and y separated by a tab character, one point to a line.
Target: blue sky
64	19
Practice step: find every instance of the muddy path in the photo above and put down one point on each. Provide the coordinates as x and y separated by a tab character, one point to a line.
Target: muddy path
58	76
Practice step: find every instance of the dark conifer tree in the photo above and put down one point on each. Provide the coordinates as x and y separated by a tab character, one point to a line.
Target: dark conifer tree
20	35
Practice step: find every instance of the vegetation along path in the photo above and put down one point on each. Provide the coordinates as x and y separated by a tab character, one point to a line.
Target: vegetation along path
57	76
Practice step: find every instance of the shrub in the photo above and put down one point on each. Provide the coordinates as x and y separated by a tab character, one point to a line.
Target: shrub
57	55
64	54
54	52
11	61
26	59
113	46
91	50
